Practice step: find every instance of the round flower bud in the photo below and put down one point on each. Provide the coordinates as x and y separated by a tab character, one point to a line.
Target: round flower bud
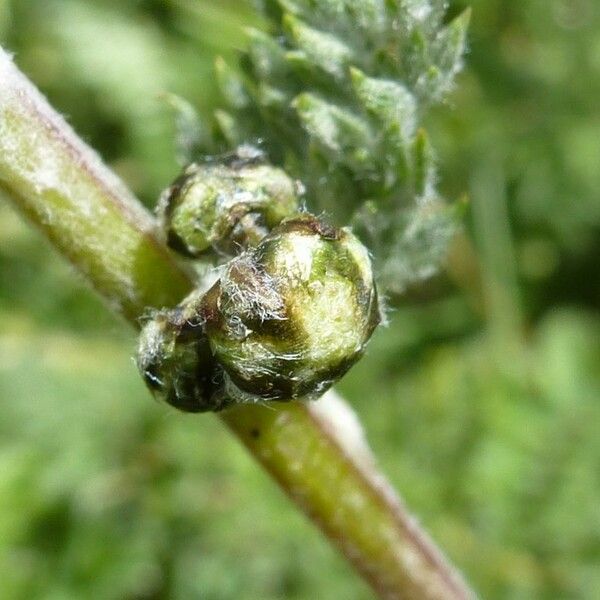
289	317
226	205
175	360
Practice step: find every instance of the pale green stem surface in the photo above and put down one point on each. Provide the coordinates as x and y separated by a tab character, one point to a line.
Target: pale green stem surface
89	215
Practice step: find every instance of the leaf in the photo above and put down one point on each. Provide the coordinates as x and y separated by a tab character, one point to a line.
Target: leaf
448	49
423	166
411	248
190	133
341	133
231	85
389	101
265	55
320	48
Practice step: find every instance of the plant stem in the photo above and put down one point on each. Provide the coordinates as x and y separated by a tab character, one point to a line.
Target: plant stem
88	214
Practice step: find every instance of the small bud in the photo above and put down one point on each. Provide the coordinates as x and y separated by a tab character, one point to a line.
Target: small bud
226	205
175	360
291	316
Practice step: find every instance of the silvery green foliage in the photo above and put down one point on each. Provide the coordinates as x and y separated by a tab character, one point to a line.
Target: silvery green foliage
335	91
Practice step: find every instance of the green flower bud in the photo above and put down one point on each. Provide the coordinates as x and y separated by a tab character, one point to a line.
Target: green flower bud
290	317
285	320
175	359
227	204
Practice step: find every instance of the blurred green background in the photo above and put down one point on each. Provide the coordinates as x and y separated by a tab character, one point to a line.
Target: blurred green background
483	406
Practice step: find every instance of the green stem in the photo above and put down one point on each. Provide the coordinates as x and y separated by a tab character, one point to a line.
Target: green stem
89	215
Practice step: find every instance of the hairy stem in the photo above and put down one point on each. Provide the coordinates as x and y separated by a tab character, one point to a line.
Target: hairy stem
326	468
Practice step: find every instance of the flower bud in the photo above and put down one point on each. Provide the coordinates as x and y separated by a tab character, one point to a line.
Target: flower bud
226	205
175	360
289	317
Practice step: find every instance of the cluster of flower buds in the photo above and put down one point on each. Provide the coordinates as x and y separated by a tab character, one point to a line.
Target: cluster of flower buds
289	314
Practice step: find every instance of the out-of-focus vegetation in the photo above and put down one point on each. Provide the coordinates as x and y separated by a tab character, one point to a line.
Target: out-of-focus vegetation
484	413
